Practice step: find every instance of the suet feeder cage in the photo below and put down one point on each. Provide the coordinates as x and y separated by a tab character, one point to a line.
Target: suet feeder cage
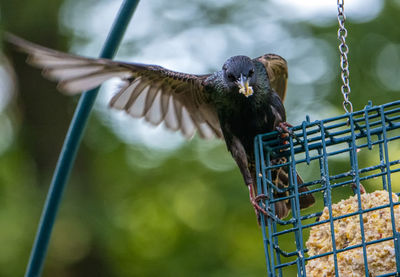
368	142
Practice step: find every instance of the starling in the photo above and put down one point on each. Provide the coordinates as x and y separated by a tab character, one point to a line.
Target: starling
237	103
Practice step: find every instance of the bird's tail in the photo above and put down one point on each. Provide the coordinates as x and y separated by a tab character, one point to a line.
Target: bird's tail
280	178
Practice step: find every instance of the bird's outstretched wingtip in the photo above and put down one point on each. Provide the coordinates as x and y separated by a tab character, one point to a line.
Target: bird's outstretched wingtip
14	39
21	44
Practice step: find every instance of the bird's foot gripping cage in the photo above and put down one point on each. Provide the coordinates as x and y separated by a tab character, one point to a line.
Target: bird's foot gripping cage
334	156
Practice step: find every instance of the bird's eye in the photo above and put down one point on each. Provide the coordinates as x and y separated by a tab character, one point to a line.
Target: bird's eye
231	77
251	72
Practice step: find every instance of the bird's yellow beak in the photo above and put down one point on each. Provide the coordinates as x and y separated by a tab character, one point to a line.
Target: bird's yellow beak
244	87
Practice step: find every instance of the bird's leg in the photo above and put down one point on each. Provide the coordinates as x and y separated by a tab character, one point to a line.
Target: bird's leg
254	199
239	155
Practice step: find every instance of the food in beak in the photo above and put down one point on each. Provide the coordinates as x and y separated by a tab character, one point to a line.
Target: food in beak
244	87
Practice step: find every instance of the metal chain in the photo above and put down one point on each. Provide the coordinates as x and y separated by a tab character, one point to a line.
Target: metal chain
344	63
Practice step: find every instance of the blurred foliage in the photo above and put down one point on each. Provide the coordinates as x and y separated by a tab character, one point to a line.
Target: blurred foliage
134	210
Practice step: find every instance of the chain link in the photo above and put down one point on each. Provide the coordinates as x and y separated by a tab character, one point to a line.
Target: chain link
344	63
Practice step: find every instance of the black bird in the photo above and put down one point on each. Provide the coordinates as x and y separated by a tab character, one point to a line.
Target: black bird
237	103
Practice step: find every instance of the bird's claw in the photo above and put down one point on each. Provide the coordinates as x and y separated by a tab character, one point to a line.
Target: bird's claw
254	202
283	129
354	187
257	208
260	197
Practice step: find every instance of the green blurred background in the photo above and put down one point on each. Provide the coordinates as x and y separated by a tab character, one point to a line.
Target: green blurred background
141	201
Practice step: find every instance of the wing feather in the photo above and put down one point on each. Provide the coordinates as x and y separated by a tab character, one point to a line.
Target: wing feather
88	81
151	96
155	115
187	125
277	71
136	109
122	97
171	121
140	87
164	103
63	73
205	131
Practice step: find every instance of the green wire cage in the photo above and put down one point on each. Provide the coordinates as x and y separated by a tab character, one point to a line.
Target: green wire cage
367	141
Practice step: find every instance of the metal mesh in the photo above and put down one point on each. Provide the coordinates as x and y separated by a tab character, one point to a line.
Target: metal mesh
333	156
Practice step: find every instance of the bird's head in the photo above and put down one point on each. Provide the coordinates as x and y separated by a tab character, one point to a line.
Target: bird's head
239	73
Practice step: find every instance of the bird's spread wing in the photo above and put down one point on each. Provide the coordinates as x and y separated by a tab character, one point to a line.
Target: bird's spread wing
277	71
149	91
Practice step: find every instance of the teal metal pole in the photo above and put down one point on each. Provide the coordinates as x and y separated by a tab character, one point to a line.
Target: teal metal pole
71	145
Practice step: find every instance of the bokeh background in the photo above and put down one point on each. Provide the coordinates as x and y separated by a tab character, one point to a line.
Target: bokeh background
142	201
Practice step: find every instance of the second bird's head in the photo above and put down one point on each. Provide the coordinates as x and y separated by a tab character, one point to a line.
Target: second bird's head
239	72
